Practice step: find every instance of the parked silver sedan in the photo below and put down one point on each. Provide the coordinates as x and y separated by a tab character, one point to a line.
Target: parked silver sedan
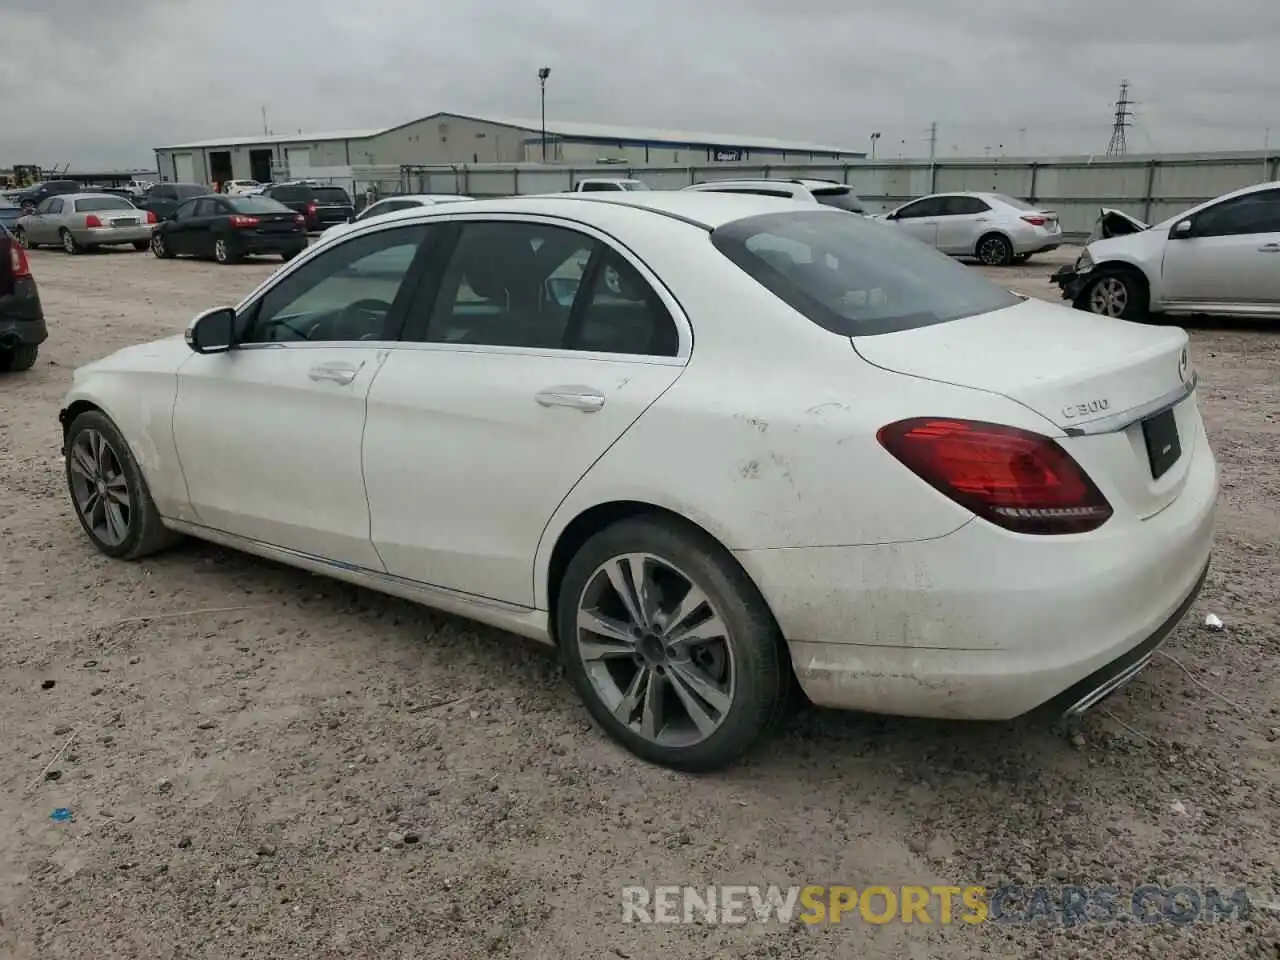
994	228
83	221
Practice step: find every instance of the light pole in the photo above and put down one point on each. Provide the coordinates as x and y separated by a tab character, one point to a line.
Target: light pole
543	73
874	137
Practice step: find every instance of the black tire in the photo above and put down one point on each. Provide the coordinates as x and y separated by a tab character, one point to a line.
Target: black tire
160	248
140	245
69	243
1115	292
756	661
994	250
146	533
223	255
19	358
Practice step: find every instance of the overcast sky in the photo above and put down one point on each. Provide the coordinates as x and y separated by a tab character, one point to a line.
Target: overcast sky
102	82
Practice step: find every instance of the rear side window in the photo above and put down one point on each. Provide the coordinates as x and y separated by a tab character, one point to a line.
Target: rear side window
103	203
330	195
842	198
963	206
854	276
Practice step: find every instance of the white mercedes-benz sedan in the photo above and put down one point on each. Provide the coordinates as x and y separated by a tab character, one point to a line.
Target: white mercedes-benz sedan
700	443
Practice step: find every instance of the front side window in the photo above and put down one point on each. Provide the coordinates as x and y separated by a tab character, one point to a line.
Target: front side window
208	207
347	293
1252	213
853	276
963	206
55	205
46	206
928	207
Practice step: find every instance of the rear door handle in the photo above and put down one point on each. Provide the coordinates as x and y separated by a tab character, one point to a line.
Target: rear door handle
586	399
342	373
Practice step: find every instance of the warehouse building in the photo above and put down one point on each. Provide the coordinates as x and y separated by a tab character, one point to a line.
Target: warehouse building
445	138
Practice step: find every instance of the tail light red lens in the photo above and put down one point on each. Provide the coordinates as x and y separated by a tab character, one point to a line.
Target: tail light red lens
1036	220
19	265
311	209
93	220
151	217
1014	478
239	220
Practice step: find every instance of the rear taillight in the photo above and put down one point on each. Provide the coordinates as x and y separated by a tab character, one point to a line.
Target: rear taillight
151	217
1014	478
19	266
92	220
239	220
1036	220
311	209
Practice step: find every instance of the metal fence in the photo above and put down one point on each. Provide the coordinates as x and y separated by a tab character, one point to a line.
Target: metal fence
1151	188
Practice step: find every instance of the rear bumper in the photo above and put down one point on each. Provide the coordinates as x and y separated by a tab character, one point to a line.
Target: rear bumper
921	629
1036	241
22	317
105	236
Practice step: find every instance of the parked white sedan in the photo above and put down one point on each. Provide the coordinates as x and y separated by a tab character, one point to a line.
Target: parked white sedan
758	438
996	229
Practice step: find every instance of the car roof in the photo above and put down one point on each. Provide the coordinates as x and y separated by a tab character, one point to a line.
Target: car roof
706	210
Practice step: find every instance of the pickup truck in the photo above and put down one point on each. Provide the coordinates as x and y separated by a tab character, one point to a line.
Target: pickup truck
595	185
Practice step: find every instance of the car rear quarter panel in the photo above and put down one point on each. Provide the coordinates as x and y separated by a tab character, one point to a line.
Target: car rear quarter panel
768	440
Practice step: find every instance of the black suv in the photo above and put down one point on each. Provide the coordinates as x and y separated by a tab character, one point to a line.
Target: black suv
22	328
321	206
31	197
164	198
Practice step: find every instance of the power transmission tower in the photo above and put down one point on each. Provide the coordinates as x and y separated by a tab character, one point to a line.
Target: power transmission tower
1123	118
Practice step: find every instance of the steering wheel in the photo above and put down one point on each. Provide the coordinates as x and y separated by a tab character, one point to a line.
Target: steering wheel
356	315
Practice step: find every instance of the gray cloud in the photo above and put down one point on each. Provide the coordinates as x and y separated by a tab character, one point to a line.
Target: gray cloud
106	86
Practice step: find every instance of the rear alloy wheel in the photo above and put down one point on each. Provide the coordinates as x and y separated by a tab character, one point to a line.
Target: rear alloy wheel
1117	294
108	492
222	252
19	358
995	250
670	645
160	248
68	241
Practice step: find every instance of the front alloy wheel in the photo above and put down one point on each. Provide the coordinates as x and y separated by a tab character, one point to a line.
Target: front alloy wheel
221	253
669	644
1109	296
99	488
158	247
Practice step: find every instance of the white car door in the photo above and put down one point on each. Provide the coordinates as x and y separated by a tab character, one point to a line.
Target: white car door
535	349
1231	257
961	222
269	433
37	225
920	219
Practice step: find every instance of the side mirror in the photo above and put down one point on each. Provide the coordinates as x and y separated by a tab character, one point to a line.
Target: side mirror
1181	229
213	331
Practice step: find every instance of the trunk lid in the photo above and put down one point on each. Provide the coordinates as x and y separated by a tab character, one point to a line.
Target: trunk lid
277	223
1086	375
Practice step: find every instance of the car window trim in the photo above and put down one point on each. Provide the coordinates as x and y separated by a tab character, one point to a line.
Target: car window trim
436	214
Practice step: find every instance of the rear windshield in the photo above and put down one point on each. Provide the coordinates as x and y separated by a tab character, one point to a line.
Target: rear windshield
184	190
842	198
331	194
853	275
256	205
1013	202
289	193
103	203
633	185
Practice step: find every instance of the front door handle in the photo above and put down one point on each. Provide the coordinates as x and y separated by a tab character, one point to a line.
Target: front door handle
342	373
1269	248
585	399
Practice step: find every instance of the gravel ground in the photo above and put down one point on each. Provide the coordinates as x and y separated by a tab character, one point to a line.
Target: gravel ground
266	764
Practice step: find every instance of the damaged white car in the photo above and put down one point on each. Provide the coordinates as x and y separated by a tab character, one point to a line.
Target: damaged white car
1220	258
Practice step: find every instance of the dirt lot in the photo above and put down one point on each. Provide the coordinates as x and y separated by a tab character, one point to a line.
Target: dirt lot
248	751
